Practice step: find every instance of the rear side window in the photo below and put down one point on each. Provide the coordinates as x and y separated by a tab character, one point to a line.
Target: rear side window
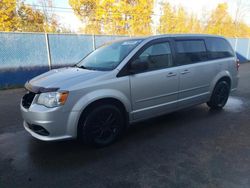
191	46
190	51
219	48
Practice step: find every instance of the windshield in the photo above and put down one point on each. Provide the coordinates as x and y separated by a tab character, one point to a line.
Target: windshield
108	56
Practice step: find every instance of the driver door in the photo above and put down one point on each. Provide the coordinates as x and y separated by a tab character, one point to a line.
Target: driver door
155	90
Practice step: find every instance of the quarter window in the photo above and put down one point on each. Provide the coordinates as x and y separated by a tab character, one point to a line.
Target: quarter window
190	51
219	48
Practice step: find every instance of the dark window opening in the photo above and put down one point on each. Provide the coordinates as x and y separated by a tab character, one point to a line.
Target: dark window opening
191	51
157	56
219	48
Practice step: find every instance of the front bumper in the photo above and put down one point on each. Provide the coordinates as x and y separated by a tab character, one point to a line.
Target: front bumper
59	124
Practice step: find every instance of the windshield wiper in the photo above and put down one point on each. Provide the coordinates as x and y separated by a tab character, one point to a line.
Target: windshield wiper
87	68
82	67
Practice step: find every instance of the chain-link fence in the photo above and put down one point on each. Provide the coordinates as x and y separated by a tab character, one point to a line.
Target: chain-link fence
25	55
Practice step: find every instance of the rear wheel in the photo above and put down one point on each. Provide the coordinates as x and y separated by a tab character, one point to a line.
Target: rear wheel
220	95
102	125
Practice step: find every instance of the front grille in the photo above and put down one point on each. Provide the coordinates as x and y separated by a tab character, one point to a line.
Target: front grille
38	129
27	99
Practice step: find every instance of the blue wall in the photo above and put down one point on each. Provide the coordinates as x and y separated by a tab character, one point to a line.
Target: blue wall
24	55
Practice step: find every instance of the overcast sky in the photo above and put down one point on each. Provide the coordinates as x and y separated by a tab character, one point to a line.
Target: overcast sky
198	7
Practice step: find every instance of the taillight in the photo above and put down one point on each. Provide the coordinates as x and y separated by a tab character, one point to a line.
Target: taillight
237	64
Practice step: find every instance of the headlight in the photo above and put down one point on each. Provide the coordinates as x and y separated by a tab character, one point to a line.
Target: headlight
53	99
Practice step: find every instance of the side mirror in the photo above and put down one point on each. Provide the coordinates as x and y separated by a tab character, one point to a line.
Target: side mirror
138	65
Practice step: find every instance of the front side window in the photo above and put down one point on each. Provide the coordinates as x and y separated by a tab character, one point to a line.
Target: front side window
109	56
190	51
157	56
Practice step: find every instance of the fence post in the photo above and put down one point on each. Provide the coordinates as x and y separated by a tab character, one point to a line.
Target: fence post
248	50
93	42
48	50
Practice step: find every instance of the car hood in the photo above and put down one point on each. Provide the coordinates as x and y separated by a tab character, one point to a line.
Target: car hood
61	78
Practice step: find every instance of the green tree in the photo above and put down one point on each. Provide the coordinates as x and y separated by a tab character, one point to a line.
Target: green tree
220	21
167	23
181	21
17	16
176	20
8	18
140	17
86	10
29	20
110	17
114	17
194	24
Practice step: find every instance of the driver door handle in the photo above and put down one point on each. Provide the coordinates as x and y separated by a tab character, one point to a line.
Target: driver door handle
186	71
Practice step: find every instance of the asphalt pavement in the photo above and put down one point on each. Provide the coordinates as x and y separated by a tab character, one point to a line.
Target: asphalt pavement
195	147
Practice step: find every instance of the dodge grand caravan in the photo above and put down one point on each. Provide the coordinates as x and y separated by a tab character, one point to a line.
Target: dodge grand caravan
128	81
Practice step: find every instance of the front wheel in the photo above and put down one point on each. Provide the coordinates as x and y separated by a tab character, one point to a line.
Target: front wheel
219	96
102	125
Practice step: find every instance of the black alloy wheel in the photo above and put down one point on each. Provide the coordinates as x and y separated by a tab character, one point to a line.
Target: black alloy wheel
220	95
102	125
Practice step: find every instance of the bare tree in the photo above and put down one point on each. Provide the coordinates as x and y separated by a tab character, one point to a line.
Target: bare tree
51	23
242	9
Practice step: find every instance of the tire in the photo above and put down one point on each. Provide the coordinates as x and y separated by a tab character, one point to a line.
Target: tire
102	125
219	96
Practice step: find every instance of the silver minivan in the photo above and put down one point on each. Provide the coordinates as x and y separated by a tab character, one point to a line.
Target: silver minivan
129	81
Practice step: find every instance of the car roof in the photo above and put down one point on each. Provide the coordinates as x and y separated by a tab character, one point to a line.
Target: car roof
153	37
183	36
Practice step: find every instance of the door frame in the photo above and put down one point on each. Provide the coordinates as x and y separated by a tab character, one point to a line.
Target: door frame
125	70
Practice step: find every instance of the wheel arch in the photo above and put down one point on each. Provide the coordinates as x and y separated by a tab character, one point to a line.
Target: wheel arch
98	102
225	75
215	101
